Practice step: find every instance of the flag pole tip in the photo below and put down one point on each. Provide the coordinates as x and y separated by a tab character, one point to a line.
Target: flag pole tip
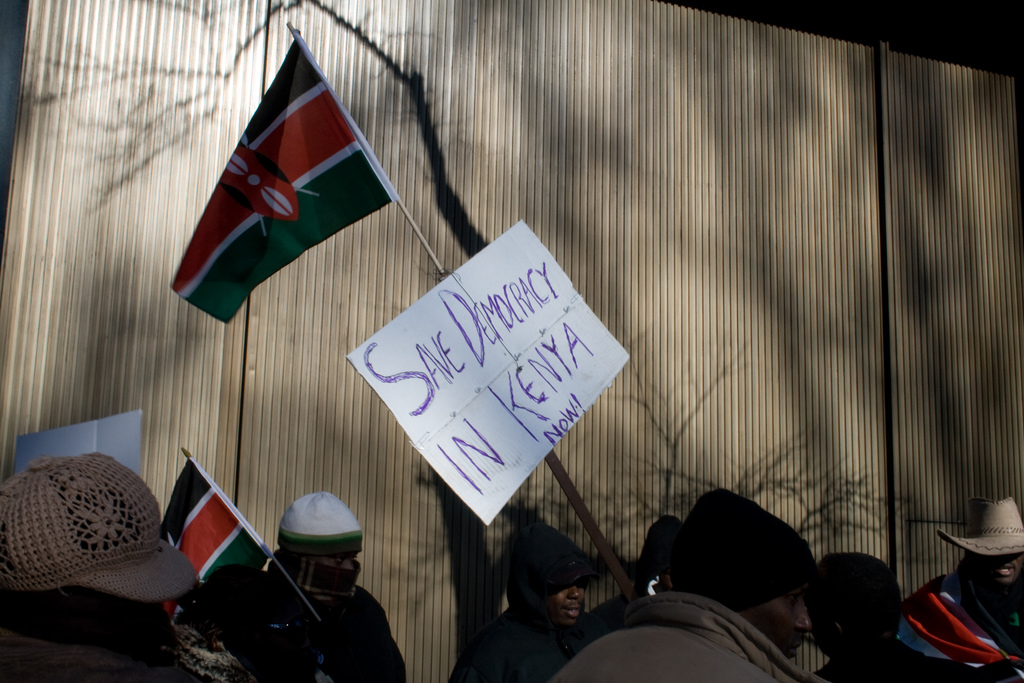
289	25
186	453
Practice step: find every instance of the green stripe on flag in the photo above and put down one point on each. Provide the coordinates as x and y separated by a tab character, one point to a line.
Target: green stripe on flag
242	550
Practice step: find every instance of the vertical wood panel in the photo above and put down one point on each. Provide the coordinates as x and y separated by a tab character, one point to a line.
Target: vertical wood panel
122	114
956	273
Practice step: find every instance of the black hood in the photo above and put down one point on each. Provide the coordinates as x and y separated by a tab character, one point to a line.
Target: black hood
540	552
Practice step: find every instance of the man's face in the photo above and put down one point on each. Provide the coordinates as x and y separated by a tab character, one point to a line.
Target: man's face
333	577
995	571
783	620
566	605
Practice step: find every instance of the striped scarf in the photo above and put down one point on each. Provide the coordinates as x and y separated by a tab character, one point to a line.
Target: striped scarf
935	623
321	576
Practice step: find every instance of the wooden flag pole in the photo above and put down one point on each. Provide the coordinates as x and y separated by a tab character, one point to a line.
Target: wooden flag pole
295	587
604	549
408	217
423	240
263	546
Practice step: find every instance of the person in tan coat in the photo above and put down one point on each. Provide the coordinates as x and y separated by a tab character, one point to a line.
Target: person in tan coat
736	611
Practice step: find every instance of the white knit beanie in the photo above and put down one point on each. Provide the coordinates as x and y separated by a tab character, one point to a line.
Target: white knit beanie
319	524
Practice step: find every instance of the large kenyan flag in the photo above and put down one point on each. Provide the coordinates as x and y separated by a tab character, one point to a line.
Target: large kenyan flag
301	172
205	525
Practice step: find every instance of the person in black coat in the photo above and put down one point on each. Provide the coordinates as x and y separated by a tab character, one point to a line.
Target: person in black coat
319	542
545	624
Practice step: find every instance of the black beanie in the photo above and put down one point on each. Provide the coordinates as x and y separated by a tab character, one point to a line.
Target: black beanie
731	550
657	551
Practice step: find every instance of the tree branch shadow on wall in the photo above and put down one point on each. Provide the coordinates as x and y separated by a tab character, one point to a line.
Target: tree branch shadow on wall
830	505
446	199
673	428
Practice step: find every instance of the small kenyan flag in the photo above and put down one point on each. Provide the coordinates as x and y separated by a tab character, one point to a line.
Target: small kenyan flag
203	523
302	172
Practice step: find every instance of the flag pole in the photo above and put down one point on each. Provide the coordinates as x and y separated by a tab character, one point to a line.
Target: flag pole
298	591
408	217
604	548
423	240
237	514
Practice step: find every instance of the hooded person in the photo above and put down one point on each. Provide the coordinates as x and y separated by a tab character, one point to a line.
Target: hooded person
972	614
735	613
545	624
319	540
652	572
83	573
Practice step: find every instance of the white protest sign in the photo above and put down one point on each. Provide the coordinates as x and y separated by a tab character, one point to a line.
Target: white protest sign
492	367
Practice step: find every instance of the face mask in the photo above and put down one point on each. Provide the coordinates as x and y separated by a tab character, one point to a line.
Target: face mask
322	577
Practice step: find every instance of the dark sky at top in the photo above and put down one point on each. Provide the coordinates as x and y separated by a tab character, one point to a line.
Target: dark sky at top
981	35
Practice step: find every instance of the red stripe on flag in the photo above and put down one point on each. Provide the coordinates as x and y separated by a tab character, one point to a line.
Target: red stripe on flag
213	523
311	135
222	215
306	138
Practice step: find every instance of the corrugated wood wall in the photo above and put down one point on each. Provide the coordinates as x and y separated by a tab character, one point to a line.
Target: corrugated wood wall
956	284
709	184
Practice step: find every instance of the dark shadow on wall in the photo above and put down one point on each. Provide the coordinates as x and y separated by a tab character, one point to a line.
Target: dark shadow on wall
472	566
447	201
952	283
478	577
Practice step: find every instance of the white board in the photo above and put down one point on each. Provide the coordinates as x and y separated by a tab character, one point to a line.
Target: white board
492	367
119	436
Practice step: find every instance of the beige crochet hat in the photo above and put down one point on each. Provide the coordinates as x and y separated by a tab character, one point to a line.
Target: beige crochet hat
992	528
87	521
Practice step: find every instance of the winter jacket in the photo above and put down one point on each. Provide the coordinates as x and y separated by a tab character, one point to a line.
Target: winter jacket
81	635
356	643
887	660
41	661
522	645
34	660
676	636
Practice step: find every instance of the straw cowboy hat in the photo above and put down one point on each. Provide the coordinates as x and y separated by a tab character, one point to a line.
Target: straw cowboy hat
992	528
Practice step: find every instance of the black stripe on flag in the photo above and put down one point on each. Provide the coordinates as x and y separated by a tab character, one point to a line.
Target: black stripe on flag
189	489
296	77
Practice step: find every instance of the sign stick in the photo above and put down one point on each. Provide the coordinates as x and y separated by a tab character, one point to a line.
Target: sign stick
604	549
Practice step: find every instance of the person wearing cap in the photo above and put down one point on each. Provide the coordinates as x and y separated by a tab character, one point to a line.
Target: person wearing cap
83	573
652	573
319	540
855	606
972	615
736	610
545	624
